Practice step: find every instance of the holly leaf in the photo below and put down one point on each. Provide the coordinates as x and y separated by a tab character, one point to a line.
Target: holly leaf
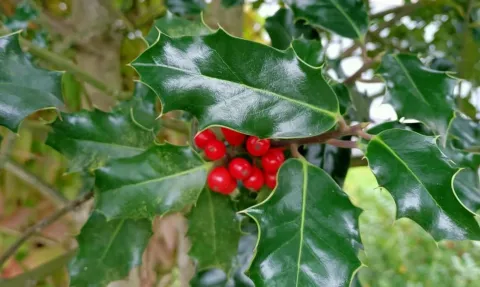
308	231
142	108
185	7
418	92
108	250
24	88
174	26
90	138
310	51
465	134
243	85
412	168
162	179
282	29
214	231
343	96
467	188
347	18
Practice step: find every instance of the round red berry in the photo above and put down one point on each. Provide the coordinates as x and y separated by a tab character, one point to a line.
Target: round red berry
202	138
255	180
220	180
215	149
234	138
231	187
240	168
272	161
270	180
257	147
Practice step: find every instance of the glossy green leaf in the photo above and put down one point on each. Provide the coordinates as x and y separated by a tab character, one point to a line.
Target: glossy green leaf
467	188
310	51
282	29
347	18
175	26
244	85
465	134
185	7
162	179
418	92
308	231
90	138
142	108
343	96
24	88
214	231
108	250
412	168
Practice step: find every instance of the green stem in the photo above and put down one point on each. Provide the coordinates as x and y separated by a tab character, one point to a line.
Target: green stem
69	66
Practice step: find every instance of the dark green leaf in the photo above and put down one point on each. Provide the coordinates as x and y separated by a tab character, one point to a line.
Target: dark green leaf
174	26
244	85
343	96
412	168
185	7
310	51
308	231
335	161
142	108
465	134
282	29
347	18
214	231
418	92
24	88
90	138
467	188
108	250
163	179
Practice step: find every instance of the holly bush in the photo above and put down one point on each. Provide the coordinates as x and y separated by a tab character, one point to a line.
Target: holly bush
268	136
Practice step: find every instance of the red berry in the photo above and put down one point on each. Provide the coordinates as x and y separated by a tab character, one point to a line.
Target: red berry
272	161
257	147
271	180
255	180
215	149
220	180
202	138
231	187
240	168
234	138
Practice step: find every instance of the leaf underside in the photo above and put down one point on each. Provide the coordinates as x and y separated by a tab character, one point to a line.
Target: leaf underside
418	176
246	86
308	231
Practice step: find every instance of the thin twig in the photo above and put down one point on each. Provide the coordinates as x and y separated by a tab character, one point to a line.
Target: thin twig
45	189
364	135
342	143
42	224
366	66
294	151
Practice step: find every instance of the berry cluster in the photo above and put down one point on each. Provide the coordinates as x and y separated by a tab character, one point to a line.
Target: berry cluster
224	179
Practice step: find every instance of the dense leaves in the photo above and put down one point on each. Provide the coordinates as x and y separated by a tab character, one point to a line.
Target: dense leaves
467	188
24	88
243	85
174	26
310	51
308	231
162	179
412	168
214	231
90	138
185	7
418	92
348	18
108	250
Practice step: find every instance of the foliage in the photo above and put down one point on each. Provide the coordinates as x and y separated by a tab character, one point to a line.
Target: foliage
141	155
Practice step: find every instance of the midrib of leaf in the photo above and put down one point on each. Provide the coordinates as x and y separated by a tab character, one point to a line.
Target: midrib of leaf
407	74
204	166
302	222
339	8
212	215
380	141
110	243
329	113
109	144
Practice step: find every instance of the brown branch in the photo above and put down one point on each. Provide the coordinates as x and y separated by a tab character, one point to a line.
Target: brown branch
294	150
42	224
366	66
